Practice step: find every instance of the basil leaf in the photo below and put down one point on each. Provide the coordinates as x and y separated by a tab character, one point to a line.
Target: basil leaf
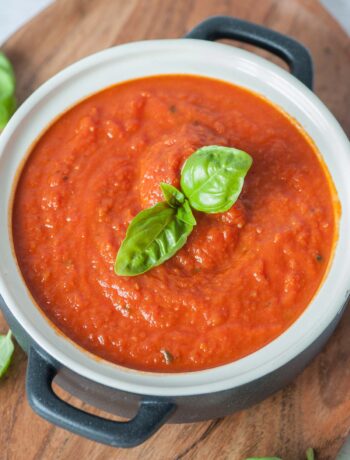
212	177
153	236
263	458
185	214
310	455
6	352
172	195
5	63
7	91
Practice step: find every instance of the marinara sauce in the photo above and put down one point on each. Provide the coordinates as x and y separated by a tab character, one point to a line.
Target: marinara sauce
243	277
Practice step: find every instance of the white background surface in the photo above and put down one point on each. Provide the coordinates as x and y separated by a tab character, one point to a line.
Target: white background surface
14	13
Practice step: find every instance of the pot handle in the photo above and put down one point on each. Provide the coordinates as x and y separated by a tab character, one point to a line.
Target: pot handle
152	414
294	53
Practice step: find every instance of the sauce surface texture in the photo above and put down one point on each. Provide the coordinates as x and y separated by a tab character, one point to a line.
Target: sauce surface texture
243	277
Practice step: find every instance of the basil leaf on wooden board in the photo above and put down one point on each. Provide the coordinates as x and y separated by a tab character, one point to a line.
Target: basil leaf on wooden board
7	91
152	237
172	195
263	458
6	352
310	454
212	178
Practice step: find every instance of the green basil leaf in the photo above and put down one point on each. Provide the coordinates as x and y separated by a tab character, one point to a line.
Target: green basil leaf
212	177
153	236
6	352
185	214
7	108
263	458
7	91
5	63
172	195
310	454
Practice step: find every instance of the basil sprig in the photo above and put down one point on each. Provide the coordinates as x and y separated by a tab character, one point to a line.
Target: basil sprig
6	352
7	91
211	181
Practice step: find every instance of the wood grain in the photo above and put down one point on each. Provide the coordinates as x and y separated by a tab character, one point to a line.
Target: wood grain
315	409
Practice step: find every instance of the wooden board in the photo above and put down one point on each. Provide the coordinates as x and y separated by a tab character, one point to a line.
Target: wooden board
315	409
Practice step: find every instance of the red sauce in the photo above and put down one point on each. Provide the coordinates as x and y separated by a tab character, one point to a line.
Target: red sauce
243	277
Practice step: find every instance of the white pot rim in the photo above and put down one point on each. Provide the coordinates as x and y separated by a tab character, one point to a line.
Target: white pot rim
177	56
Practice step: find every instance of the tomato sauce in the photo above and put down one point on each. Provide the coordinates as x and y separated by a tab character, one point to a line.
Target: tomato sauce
243	277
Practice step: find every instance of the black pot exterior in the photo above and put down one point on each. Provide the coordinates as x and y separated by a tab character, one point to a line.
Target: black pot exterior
149	413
